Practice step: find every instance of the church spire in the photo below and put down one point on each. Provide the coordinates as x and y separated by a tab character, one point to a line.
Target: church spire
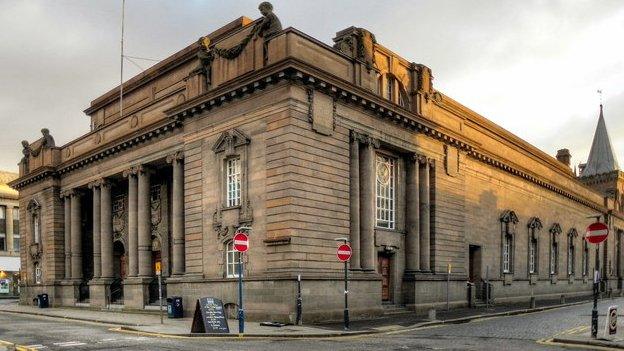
601	159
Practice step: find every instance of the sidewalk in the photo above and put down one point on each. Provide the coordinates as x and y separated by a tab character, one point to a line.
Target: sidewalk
150	322
585	339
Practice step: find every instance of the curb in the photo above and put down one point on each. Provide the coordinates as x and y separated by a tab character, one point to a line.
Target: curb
130	327
596	343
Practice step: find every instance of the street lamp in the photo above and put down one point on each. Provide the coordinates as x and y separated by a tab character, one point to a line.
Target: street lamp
346	286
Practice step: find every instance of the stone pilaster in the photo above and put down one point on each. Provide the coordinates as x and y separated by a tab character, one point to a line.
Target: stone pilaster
97	252
106	226
412	215
132	250
354	189
367	204
144	223
76	235
67	233
425	216
177	212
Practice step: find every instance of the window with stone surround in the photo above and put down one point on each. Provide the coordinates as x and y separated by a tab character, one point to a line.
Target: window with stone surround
555	230
508	220
532	256
385	194
535	226
3	226
16	235
231	260
571	250
233	181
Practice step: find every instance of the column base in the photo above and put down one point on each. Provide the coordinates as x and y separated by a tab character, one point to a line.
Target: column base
136	292
99	292
67	293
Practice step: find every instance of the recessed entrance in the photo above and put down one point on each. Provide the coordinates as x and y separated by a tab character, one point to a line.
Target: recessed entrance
119	270
384	263
474	263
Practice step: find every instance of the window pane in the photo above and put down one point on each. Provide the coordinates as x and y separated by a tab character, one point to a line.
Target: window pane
2	212
233	182
385	191
16	243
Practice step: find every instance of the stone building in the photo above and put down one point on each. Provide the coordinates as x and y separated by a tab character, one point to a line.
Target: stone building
269	128
9	236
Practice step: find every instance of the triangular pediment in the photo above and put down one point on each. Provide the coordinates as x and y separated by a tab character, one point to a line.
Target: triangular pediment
230	140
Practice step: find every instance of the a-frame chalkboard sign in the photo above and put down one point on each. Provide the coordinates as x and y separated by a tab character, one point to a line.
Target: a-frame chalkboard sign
209	317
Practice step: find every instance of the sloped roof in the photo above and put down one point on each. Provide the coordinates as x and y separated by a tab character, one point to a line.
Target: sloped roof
601	159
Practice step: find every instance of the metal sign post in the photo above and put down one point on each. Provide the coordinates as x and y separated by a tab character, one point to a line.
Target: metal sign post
448	284
299	301
160	297
596	233
344	253
241	245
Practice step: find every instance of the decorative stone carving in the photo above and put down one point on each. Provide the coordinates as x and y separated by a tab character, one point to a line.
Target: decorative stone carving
535	223
509	220
119	216
156	206
555	229
230	140
321	112
452	160
358	43
45	142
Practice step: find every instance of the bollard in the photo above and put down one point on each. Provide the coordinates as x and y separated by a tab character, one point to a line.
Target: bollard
432	314
532	302
562	299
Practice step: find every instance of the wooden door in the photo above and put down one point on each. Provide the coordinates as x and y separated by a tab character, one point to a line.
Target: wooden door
384	270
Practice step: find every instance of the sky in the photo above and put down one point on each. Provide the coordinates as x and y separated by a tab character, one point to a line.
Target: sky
532	67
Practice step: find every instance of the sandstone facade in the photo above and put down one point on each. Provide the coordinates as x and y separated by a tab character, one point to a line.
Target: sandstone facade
304	143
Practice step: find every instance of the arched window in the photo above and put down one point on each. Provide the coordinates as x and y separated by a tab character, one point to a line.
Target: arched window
232	259
391	89
38	273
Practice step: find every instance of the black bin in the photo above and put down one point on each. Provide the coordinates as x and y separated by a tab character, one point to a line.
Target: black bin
174	307
42	301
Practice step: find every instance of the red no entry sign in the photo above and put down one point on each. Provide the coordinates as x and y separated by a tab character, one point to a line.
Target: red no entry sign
344	252
597	233
241	242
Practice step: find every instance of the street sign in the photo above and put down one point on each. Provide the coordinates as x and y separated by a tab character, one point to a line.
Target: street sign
344	252
241	242
597	233
611	322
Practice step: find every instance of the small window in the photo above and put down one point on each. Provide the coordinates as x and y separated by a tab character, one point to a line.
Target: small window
389	88
16	218
3	224
16	242
532	256
385	191
38	274
554	253
233	182
571	258
232	258
507	254
3	242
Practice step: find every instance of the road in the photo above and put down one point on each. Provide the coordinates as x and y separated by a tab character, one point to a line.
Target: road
509	333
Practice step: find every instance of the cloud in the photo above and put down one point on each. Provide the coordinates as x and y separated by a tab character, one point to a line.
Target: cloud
531	66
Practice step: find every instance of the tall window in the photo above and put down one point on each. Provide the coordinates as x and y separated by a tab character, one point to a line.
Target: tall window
36	229
585	267
571	251
38	273
507	249
554	253
3	227
16	235
532	256
233	182
389	88
231	258
385	192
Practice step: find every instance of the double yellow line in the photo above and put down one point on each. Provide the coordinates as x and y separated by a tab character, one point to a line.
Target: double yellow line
12	346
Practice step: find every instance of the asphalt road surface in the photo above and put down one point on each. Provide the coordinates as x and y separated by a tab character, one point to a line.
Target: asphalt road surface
521	332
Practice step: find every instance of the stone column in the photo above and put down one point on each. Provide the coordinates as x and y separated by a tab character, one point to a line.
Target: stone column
412	216
97	252
425	218
106	226
67	234
354	189
144	223
367	205
177	212
76	235
132	250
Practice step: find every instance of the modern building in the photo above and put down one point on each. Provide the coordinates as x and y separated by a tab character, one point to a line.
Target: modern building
9	237
269	128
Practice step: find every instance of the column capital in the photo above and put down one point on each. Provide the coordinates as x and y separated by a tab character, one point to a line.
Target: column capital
132	171
177	156
71	193
422	159
364	139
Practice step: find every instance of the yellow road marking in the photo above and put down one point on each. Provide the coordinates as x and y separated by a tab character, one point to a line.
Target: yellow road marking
15	346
